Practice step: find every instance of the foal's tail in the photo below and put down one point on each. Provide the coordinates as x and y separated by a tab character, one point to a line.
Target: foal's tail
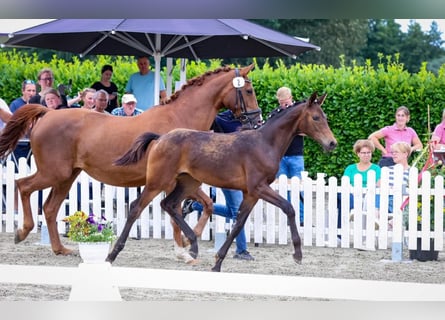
20	123
137	150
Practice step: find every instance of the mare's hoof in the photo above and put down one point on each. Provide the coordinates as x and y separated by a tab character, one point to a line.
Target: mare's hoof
192	262
17	238
64	251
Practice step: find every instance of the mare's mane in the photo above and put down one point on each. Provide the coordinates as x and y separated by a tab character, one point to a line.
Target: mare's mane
196	81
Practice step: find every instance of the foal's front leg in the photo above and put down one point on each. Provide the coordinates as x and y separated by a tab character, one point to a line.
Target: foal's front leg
268	194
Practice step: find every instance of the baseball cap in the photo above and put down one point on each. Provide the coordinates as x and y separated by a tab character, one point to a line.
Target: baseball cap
128	97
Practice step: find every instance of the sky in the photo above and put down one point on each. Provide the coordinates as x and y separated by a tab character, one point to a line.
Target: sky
424	24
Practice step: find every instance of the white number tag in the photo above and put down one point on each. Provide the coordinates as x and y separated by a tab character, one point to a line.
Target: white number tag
238	82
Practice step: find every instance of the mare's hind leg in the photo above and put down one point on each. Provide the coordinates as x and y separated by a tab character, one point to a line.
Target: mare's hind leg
51	209
243	213
136	208
207	204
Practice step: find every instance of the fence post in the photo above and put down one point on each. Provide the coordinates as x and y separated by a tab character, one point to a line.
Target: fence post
397	246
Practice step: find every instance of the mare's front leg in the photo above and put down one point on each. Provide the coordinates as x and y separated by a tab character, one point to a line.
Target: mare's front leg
136	208
268	194
243	213
24	187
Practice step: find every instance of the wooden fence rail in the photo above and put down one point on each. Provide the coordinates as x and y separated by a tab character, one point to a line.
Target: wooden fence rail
267	224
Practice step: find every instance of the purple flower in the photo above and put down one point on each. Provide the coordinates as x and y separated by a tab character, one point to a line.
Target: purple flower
90	219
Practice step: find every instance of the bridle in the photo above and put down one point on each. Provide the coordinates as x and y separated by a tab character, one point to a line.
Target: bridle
247	118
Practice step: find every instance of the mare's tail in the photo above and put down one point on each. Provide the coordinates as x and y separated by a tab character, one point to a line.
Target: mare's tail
20	123
137	150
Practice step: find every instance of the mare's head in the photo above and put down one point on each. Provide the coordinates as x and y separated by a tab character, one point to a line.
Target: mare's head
313	122
239	96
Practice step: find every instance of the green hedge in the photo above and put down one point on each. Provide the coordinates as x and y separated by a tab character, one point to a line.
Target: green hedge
361	99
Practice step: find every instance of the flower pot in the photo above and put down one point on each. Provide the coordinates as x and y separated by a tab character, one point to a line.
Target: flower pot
94	252
424	255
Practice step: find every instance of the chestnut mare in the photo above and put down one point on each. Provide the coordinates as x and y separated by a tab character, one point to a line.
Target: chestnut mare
65	142
179	161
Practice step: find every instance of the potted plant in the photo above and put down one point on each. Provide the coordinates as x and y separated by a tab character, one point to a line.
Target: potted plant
94	236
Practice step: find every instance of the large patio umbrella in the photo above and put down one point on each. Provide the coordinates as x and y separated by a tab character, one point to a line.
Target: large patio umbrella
176	38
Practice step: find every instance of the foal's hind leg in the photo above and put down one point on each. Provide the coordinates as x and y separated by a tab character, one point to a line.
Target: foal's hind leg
185	186
136	208
244	212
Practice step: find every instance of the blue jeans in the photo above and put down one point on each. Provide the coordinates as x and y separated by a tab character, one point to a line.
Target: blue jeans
292	166
229	211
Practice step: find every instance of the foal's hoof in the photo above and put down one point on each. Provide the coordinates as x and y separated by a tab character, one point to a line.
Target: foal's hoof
17	238
298	257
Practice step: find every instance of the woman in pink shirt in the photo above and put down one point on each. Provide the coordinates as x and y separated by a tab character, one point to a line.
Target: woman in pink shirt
438	137
399	131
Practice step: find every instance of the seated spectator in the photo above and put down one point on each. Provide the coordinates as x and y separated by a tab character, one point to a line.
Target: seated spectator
128	108
101	101
5	114
400	152
85	97
363	148
28	90
52	99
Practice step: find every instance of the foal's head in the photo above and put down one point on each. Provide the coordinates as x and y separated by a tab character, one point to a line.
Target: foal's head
313	122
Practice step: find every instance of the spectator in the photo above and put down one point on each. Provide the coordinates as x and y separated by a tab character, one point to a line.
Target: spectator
110	87
292	163
438	138
128	108
400	152
86	96
5	114
142	83
52	99
226	122
101	101
46	80
28	90
399	131
363	149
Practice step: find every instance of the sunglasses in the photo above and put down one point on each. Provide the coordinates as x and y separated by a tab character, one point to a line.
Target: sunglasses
29	82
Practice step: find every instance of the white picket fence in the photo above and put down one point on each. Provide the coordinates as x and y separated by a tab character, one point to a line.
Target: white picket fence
266	224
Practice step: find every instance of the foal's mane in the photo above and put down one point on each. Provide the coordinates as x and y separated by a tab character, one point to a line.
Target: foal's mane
278	112
196	81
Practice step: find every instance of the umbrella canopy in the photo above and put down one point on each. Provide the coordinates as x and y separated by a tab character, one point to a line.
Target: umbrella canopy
177	38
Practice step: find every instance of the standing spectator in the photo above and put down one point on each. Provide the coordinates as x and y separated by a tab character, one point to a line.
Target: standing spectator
225	122
142	83
110	87
101	101
292	163
399	131
438	137
5	114
128	108
28	90
46	80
